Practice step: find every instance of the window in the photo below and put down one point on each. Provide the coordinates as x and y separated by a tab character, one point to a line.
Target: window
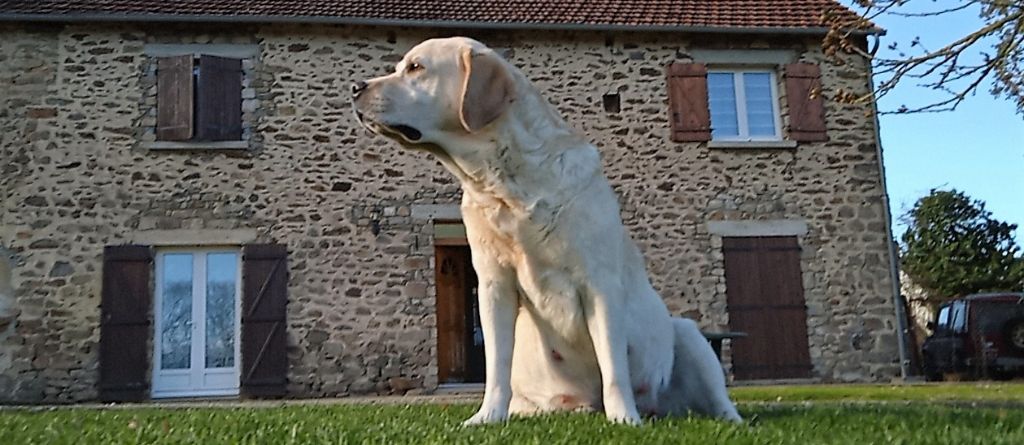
740	107
744	105
197	323
199	99
958	320
942	320
198	343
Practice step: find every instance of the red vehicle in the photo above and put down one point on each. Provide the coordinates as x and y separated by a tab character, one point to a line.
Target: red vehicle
978	335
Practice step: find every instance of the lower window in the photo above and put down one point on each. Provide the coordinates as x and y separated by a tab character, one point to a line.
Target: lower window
196	347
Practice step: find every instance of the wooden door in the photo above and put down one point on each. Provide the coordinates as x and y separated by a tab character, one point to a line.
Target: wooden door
460	355
764	289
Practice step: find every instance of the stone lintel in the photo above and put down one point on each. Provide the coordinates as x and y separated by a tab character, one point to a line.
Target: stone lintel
767	227
196	237
436	212
232	50
744	57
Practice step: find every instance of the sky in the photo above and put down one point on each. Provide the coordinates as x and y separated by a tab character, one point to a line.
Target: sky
977	149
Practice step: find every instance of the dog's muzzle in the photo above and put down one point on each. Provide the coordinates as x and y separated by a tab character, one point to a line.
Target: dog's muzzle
357	89
409	133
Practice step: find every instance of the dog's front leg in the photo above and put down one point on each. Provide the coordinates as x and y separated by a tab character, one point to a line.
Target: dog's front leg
603	310
499	305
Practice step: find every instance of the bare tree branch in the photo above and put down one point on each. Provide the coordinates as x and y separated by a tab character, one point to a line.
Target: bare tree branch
950	69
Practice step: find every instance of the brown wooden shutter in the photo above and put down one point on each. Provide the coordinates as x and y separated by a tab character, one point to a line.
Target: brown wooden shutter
264	298
174	107
806	103
125	306
689	116
765	299
219	117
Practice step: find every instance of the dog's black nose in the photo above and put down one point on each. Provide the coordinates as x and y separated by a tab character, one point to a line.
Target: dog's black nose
358	87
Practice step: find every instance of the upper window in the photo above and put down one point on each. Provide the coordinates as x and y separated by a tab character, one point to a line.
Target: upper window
739	106
199	99
743	105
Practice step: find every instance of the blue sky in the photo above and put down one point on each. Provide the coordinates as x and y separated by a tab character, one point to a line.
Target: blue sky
977	149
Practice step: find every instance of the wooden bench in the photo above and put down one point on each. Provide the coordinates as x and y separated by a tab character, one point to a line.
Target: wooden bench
716	339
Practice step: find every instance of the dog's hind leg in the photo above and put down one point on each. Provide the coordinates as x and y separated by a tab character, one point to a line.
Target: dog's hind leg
698	383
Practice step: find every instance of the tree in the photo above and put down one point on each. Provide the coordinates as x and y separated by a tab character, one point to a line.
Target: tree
953	247
992	55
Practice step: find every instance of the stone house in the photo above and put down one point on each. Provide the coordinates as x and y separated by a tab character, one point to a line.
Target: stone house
188	208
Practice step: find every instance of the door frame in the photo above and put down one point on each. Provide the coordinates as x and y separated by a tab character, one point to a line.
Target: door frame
155	348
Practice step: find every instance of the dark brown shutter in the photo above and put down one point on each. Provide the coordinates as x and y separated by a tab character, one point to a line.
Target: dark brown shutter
174	98
806	104
219	116
264	298
125	306
765	299
689	116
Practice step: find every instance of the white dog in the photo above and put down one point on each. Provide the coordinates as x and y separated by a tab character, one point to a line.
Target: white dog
569	317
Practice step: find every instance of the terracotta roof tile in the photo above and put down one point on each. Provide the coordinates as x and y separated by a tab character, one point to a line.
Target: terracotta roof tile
554	13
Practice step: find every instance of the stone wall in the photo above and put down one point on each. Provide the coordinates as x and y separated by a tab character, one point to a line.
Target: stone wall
361	310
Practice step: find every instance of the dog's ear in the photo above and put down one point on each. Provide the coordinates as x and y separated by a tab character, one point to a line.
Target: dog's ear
487	89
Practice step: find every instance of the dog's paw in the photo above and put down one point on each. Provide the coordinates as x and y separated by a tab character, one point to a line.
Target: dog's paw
486	416
625	417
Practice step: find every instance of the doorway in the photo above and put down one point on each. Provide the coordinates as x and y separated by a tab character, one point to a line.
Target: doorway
195	343
765	295
460	339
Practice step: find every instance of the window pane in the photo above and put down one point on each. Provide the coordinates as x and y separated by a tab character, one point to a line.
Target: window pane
176	312
760	107
959	323
221	271
942	321
722	103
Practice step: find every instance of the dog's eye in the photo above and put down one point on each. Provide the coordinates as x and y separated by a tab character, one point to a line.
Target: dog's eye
413	67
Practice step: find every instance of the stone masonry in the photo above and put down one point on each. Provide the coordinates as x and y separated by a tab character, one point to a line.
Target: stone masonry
75	176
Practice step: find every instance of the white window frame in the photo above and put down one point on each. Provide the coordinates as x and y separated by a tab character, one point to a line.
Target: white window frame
199	329
741	104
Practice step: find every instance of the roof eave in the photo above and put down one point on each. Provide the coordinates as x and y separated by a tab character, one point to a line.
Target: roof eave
363	21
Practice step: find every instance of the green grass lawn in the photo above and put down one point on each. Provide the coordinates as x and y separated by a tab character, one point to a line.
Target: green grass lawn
807	415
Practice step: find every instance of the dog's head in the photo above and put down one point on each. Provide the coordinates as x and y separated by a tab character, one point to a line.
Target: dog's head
441	91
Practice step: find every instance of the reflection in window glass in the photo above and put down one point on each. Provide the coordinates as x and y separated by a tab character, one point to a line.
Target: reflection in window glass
959	318
757	88
722	104
176	312
942	321
221	271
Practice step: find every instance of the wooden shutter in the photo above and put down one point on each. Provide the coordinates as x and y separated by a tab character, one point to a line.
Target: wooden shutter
125	308
806	104
219	117
174	107
689	116
264	298
765	299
